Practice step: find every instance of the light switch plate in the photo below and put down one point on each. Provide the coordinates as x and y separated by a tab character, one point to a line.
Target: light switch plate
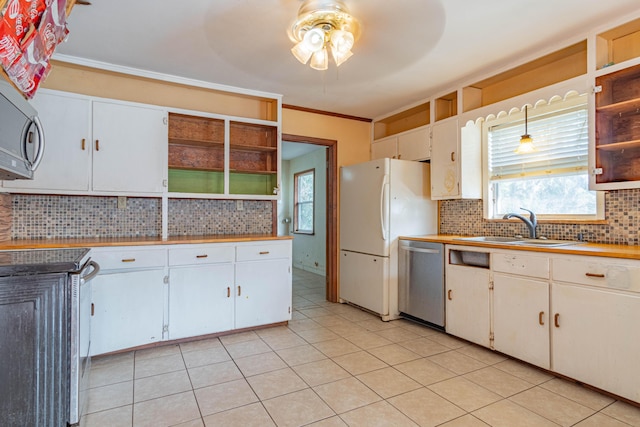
122	202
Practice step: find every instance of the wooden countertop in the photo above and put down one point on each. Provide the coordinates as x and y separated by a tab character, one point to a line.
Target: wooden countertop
134	241
592	249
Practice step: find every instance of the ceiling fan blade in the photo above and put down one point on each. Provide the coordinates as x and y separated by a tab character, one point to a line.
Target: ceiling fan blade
83	2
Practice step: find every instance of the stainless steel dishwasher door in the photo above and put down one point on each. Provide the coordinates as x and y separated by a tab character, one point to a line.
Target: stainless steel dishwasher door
421	281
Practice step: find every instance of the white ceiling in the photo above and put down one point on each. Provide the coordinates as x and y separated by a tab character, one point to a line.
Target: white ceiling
408	50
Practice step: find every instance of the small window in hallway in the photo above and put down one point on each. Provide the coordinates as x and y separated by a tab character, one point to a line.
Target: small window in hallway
304	193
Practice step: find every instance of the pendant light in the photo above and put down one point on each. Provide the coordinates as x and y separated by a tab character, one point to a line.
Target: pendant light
526	142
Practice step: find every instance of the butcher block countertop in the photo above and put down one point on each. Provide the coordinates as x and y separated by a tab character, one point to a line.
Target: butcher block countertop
134	241
592	249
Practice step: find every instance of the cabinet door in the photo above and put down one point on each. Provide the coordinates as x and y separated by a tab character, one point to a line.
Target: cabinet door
130	148
66	163
128	310
384	148
595	339
263	292
414	145
521	318
467	304
200	300
445	173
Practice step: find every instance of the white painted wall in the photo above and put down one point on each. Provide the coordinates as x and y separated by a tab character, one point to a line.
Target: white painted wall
309	251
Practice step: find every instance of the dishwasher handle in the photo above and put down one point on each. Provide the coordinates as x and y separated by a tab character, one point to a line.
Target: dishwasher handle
93	273
426	251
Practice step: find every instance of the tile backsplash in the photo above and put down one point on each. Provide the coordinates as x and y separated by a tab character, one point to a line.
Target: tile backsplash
622	213
47	216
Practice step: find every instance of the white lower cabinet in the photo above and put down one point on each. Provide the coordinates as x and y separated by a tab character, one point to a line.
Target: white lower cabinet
468	299
574	315
521	318
263	292
521	306
200	300
595	337
128	309
144	295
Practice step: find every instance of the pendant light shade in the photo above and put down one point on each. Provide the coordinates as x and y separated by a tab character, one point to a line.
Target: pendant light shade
526	142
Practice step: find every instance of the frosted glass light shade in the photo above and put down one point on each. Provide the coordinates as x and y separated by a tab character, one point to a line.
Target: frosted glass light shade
314	39
526	145
340	57
320	60
301	52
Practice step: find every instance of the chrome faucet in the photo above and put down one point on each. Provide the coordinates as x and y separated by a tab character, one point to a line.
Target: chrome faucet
530	222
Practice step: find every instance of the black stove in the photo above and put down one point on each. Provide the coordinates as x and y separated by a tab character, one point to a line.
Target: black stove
41	261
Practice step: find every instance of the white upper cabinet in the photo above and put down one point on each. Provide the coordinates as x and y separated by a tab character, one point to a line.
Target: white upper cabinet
66	164
129	148
456	162
409	145
98	147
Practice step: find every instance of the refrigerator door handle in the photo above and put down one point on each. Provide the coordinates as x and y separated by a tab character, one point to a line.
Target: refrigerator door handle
383	206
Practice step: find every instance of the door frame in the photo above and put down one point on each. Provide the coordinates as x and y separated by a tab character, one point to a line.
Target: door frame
332	209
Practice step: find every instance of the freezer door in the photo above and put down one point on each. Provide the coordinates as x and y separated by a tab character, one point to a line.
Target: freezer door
364	281
364	207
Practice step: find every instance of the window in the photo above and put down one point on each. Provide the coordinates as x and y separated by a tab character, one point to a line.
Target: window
552	181
304	193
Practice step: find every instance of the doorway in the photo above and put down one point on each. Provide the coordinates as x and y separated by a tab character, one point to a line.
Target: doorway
331	209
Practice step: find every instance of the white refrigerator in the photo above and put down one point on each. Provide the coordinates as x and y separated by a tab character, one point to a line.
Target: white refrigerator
380	200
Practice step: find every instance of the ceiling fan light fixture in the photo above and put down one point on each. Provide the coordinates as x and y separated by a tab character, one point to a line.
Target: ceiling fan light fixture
323	25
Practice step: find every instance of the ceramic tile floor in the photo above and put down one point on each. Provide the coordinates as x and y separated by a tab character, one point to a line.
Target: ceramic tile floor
335	365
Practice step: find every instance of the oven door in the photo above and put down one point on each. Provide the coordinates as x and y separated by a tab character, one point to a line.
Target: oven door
80	339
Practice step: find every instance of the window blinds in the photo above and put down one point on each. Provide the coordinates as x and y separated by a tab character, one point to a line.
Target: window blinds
561	138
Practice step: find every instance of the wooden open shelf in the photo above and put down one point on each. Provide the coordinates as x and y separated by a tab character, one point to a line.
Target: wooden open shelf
446	106
618	44
197	155
547	70
619	145
408	119
618	108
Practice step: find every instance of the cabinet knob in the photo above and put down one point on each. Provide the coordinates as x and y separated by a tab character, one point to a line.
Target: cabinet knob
540	318
556	320
228	292
84	142
453	156
239	290
202	256
264	252
93	309
97	145
129	260
449	296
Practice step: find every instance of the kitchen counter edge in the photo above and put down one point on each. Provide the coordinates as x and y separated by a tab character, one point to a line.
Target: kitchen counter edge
134	241
589	249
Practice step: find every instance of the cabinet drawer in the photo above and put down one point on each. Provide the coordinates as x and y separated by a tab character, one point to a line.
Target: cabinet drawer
600	272
262	251
201	254
129	258
521	264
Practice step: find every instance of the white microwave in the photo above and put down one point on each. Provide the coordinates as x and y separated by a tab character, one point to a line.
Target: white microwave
21	135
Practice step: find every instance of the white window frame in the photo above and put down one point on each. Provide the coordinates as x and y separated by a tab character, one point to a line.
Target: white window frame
551	107
297	203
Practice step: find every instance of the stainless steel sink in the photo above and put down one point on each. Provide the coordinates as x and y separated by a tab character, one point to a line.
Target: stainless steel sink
548	242
519	241
491	239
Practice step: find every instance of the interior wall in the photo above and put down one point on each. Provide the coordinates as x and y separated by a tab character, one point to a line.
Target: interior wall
283	205
309	251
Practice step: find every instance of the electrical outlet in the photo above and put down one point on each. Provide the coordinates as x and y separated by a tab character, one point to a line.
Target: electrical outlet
122	202
239	205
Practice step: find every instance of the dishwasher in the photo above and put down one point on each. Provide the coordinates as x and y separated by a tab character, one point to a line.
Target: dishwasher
421	281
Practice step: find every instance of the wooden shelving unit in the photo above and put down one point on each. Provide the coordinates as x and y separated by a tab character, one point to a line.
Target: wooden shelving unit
618	126
197	156
446	106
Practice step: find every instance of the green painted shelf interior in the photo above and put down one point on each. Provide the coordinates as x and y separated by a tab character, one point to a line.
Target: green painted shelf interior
207	182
